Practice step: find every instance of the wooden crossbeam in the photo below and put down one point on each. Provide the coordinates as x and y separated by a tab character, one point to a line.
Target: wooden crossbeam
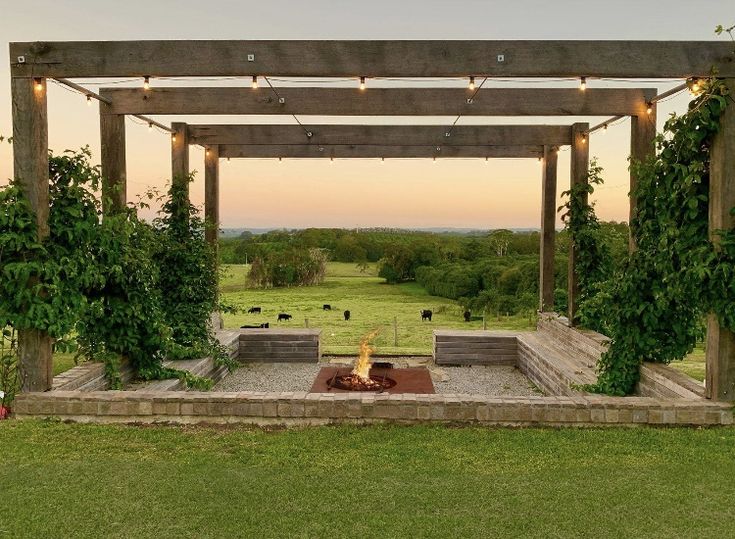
346	151
439	58
381	101
382	135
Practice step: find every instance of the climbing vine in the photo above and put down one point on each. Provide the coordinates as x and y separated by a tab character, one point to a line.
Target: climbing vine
652	309
112	289
594	261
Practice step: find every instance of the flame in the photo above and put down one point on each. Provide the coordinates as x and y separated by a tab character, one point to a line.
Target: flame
363	363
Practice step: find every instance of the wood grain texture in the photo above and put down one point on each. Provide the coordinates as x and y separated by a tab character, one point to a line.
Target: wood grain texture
380	101
211	195
406	135
180	153
437	58
642	146
346	151
113	166
30	163
720	358
548	230
579	169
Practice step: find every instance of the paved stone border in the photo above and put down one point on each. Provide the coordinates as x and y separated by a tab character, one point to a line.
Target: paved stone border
323	408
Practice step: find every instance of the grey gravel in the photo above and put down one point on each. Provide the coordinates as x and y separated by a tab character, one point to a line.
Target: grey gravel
477	380
494	380
271	377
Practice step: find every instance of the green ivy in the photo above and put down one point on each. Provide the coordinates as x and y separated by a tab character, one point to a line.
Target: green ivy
652	309
594	262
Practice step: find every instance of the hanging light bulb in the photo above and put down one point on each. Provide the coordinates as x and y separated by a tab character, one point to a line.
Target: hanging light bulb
254	84
583	83
207	153
362	83
649	108
38	84
540	159
150	126
471	85
382	160
331	160
584	138
173	137
89	100
434	159
604	128
228	159
280	159
146	83
695	86
487	160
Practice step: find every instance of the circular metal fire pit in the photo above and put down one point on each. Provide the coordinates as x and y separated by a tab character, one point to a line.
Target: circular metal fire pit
352	382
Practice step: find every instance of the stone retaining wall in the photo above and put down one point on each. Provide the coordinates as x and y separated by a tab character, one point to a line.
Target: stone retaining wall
322	408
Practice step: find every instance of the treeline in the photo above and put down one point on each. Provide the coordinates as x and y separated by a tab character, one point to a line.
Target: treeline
292	266
496	271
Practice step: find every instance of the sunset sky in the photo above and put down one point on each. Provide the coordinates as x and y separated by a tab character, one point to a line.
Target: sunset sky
351	193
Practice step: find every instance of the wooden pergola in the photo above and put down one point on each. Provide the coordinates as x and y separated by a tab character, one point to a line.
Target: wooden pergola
33	63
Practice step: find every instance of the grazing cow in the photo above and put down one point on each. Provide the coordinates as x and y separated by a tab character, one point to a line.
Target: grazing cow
426	314
253	310
327	307
284	317
467	316
347	315
256	326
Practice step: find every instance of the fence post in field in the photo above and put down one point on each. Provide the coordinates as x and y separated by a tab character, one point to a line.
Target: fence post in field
306	322
484	321
395	331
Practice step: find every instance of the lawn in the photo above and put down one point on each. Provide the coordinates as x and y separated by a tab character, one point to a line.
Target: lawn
372	304
63	480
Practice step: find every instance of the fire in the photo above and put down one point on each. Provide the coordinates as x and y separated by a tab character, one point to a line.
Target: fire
363	364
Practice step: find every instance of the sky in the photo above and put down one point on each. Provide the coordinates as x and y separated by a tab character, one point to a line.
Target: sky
501	193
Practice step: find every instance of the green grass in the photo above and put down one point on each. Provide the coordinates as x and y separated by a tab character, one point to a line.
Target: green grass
372	303
80	481
693	364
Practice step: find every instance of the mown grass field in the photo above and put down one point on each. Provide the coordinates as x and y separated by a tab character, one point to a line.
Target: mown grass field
86	481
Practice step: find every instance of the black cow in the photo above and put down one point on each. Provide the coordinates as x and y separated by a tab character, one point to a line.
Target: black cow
327	307
467	316
284	316
426	314
253	310
347	315
256	326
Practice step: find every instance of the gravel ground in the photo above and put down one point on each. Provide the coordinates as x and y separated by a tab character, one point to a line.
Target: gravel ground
479	380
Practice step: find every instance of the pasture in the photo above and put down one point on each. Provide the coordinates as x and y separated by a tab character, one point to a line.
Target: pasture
372	304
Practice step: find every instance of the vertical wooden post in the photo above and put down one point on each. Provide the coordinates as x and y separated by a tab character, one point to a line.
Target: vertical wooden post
395	331
548	229
579	170
114	180
211	194
642	146
180	154
720	359
30	162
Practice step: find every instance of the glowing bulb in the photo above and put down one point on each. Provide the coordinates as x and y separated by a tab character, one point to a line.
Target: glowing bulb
150	126
382	159
472	83
207	152
695	87
254	85
280	159
38	85
362	83
228	159
173	138
604	128
583	83
435	160
331	160
487	160
584	139
649	108
146	83
89	100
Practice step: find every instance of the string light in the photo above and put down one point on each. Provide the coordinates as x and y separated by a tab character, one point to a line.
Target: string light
280	159
382	160
487	160
695	86
150	126
146	83
583	83
649	107
604	128
89	100
471	86
173	137
584	138
207	152
362	83
38	84
254	85
331	160
434	159
228	159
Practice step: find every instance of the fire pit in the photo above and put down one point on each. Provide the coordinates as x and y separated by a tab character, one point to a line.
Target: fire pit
352	382
362	378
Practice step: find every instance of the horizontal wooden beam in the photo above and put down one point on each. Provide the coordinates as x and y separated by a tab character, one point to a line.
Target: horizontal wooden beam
381	101
439	58
382	135
345	151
